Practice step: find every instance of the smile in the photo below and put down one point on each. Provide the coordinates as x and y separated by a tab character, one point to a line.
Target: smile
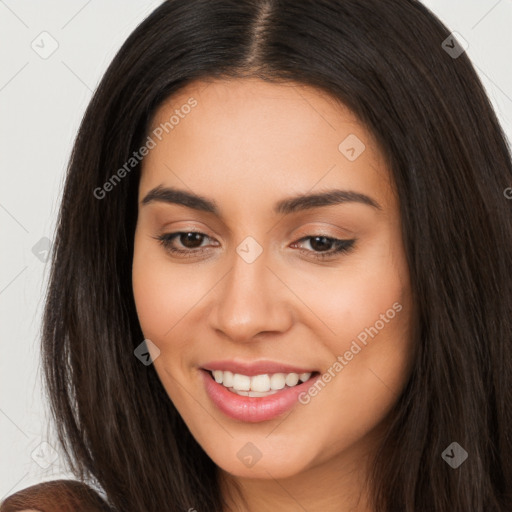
258	385
254	396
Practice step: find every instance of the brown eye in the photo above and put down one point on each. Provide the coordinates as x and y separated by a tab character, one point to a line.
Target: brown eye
190	239
189	242
326	247
321	243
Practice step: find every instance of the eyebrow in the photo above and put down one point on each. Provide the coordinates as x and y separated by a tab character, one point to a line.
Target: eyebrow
285	206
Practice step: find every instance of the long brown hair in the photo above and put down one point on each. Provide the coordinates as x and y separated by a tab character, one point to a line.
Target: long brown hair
450	162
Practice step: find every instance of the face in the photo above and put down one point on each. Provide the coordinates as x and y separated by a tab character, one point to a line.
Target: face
239	277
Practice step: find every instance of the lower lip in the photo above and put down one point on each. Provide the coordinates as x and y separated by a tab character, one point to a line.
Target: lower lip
253	409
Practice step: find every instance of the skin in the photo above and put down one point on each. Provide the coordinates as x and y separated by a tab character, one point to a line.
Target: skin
246	145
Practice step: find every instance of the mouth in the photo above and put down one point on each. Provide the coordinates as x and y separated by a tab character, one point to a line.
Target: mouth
260	385
257	397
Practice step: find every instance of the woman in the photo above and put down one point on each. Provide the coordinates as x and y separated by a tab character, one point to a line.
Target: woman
282	272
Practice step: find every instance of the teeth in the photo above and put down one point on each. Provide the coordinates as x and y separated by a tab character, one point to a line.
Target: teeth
252	393
258	385
241	382
292	379
227	379
258	394
278	381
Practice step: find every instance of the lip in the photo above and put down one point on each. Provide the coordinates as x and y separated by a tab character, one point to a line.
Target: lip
254	368
253	409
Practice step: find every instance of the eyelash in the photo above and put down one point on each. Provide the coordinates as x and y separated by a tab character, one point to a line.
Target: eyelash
341	246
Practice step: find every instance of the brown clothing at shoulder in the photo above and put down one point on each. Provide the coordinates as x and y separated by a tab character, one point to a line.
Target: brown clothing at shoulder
56	496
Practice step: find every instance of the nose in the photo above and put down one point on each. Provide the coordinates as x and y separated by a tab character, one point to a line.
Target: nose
251	300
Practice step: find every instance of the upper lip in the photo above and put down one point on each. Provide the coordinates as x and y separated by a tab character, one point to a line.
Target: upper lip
255	367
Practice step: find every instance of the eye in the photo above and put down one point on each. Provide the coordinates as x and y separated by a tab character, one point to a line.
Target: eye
324	247
191	242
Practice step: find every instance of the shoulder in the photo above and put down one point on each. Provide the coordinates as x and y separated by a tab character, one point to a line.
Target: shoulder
55	496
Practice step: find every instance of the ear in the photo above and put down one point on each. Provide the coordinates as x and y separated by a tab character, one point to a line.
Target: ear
55	496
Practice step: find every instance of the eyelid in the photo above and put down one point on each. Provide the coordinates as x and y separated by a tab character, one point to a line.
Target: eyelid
327	229
340	245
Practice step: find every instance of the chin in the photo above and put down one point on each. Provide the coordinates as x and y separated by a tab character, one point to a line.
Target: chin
260	456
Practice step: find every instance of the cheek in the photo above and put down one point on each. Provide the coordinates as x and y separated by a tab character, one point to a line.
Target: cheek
163	296
360	293
152	292
370	363
367	308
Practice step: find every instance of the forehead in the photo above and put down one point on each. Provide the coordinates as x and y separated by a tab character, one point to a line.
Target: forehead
251	91
264	137
260	106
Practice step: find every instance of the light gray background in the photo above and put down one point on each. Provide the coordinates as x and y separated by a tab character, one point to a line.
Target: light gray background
42	101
